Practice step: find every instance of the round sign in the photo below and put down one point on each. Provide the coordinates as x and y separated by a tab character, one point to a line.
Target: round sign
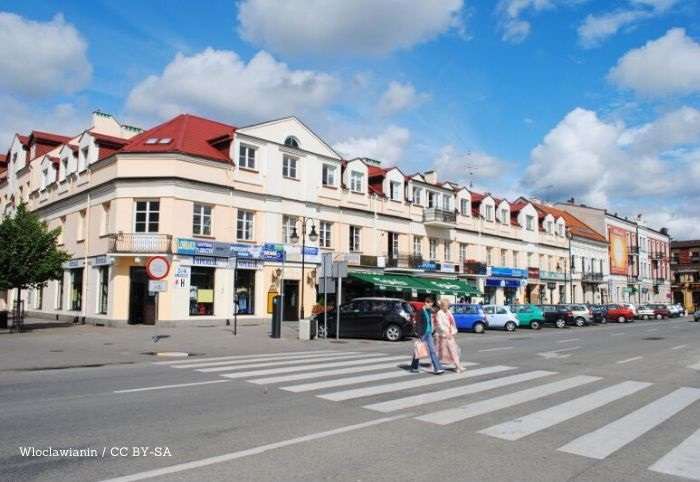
157	267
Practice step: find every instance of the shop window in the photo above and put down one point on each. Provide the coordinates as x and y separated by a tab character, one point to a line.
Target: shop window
245	292
103	290
76	295
202	291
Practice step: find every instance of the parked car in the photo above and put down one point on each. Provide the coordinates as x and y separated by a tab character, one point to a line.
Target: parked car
696	316
557	315
631	307
500	316
661	311
599	313
645	312
528	315
384	318
620	312
676	310
469	317
582	316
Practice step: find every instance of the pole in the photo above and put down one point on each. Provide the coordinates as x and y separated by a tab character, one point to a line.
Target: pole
235	296
337	309
284	257
571	285
303	253
325	297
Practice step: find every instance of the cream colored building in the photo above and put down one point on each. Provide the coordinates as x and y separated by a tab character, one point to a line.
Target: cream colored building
221	204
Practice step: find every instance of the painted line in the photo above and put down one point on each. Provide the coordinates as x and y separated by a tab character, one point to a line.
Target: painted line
682	460
315	366
243	357
678	347
163	387
231	368
627	360
498	349
196	464
431	397
653	329
612	437
618	334
695	367
419	382
276	359
568	340
325	373
529	424
446	417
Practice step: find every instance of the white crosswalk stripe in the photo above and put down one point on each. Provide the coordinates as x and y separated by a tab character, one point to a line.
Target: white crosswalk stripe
614	436
393	366
441	395
524	426
418	382
229	367
445	417
316	366
301	358
682	461
245	357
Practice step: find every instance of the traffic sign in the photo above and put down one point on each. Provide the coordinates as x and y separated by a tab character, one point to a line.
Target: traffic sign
157	267
157	286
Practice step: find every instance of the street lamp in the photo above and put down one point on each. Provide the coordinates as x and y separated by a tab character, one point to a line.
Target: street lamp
294	238
569	236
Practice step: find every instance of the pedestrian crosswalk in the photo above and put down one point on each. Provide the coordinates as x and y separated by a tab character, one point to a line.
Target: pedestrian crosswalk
381	382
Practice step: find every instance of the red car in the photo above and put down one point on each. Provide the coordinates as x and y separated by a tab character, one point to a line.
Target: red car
620	313
660	311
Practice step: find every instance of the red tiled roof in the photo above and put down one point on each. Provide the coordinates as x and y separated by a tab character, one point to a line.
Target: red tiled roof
104	138
54	160
3	158
373	171
23	139
189	134
376	190
573	224
49	137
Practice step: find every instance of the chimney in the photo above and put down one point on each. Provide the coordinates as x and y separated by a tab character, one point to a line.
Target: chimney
430	176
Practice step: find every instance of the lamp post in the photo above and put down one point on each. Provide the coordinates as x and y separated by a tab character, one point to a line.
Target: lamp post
569	236
294	238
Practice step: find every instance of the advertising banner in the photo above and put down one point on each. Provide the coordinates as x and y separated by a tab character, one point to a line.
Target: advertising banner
618	250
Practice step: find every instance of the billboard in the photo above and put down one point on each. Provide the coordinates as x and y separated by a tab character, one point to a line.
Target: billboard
618	251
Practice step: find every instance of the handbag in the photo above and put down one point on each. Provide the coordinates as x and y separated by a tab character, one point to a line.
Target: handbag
420	349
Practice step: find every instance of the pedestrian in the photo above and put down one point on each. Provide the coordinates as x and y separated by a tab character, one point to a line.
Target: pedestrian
424	330
445	331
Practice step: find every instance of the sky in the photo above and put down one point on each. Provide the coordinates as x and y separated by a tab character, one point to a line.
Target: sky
551	99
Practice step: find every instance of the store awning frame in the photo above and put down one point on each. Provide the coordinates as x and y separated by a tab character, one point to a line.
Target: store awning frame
432	286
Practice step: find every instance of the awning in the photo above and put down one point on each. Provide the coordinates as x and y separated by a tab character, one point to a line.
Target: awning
434	286
389	282
455	287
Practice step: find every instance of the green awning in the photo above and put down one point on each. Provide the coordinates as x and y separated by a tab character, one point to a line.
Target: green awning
455	287
389	282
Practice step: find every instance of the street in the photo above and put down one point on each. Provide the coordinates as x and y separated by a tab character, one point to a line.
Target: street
614	402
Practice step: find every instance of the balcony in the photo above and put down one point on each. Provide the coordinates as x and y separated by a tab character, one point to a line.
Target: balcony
141	243
399	261
659	281
592	277
439	217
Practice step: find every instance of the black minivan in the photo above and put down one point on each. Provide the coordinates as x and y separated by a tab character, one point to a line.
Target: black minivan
384	318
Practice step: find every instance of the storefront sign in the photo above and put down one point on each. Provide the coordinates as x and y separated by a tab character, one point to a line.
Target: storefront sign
201	248
553	275
103	260
245	264
273	252
533	273
504	282
428	266
205	261
246	251
311	253
74	263
448	268
182	276
475	267
508	272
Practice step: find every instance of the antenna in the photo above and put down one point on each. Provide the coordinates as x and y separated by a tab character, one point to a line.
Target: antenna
471	169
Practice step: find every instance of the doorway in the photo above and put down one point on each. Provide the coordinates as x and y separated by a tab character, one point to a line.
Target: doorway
142	304
291	300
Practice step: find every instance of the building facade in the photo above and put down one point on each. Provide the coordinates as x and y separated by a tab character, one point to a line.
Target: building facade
685	269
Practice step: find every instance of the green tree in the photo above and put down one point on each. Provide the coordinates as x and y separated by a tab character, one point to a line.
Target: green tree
29	255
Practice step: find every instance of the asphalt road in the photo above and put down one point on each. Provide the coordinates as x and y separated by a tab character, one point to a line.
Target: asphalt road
601	403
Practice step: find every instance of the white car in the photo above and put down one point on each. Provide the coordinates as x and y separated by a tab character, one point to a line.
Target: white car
499	316
645	312
676	311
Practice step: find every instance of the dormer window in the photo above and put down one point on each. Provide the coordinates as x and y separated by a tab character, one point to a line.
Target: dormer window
549	227
64	168
504	216
446	203
395	191
417	195
292	142
85	151
356	181
44	178
432	199
464	207
488	212
530	223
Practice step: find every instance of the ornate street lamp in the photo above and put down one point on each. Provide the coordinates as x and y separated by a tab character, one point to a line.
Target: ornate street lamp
294	238
569	236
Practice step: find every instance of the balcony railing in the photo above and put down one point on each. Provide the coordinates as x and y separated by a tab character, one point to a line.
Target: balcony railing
592	277
439	217
141	243
659	281
475	268
398	261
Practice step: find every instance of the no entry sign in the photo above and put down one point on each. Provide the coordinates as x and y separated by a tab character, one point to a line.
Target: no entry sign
157	267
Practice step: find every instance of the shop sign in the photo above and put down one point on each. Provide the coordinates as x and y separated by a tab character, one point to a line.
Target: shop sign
551	286
103	260
197	247
74	263
311	253
206	261
448	267
182	275
245	263
533	273
475	267
242	250
428	266
553	275
508	272
273	252
505	282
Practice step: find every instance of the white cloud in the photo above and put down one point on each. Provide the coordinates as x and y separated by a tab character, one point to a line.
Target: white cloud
660	5
399	97
463	167
675	128
665	66
514	28
332	27
221	84
681	224
596	28
387	146
41	58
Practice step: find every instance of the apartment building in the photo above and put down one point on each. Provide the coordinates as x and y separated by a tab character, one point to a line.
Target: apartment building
227	206
685	269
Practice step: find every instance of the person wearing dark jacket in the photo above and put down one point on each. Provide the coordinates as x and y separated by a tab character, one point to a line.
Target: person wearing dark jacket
424	330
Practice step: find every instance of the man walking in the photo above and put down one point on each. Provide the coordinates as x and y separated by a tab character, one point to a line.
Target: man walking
424	330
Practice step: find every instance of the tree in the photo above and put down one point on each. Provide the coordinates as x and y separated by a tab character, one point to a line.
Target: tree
29	255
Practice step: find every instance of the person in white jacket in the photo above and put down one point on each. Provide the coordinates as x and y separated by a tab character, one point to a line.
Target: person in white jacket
445	331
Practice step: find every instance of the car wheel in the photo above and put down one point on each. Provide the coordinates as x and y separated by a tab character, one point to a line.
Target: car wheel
560	323
603	321
580	322
535	325
479	328
659	317
621	319
393	332
510	326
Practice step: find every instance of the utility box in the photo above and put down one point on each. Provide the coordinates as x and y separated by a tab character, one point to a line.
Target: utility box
276	329
307	329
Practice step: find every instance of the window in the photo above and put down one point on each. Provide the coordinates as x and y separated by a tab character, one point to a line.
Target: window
244	225
62	225
289	167
328	175
489	256
81	226
354	238
549	227
64	168
463	252
104	228
85	151
504	255
504	216
44	178
432	199
288	225
464	207
292	141
201	291
446	250
393	251
395	191
103	290
530	223
417	193
76	295
417	245
432	251
147	216
201	220
561	230
246	156
529	260
488	212
324	234
446	202
516	261
356	181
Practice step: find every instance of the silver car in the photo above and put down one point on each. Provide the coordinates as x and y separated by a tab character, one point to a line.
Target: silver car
500	317
582	315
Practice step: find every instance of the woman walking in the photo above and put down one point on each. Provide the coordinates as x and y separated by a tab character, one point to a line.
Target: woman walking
424	330
445	331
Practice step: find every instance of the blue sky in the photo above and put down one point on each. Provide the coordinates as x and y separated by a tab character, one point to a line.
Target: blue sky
550	98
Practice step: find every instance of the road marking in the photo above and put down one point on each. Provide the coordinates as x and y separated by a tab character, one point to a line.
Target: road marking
323	373
568	340
162	387
529	424
682	460
420	381
231	367
243	357
276	359
678	347
498	348
431	397
627	360
445	417
617	334
653	329
612	437
315	366
558	353
695	367
196	464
